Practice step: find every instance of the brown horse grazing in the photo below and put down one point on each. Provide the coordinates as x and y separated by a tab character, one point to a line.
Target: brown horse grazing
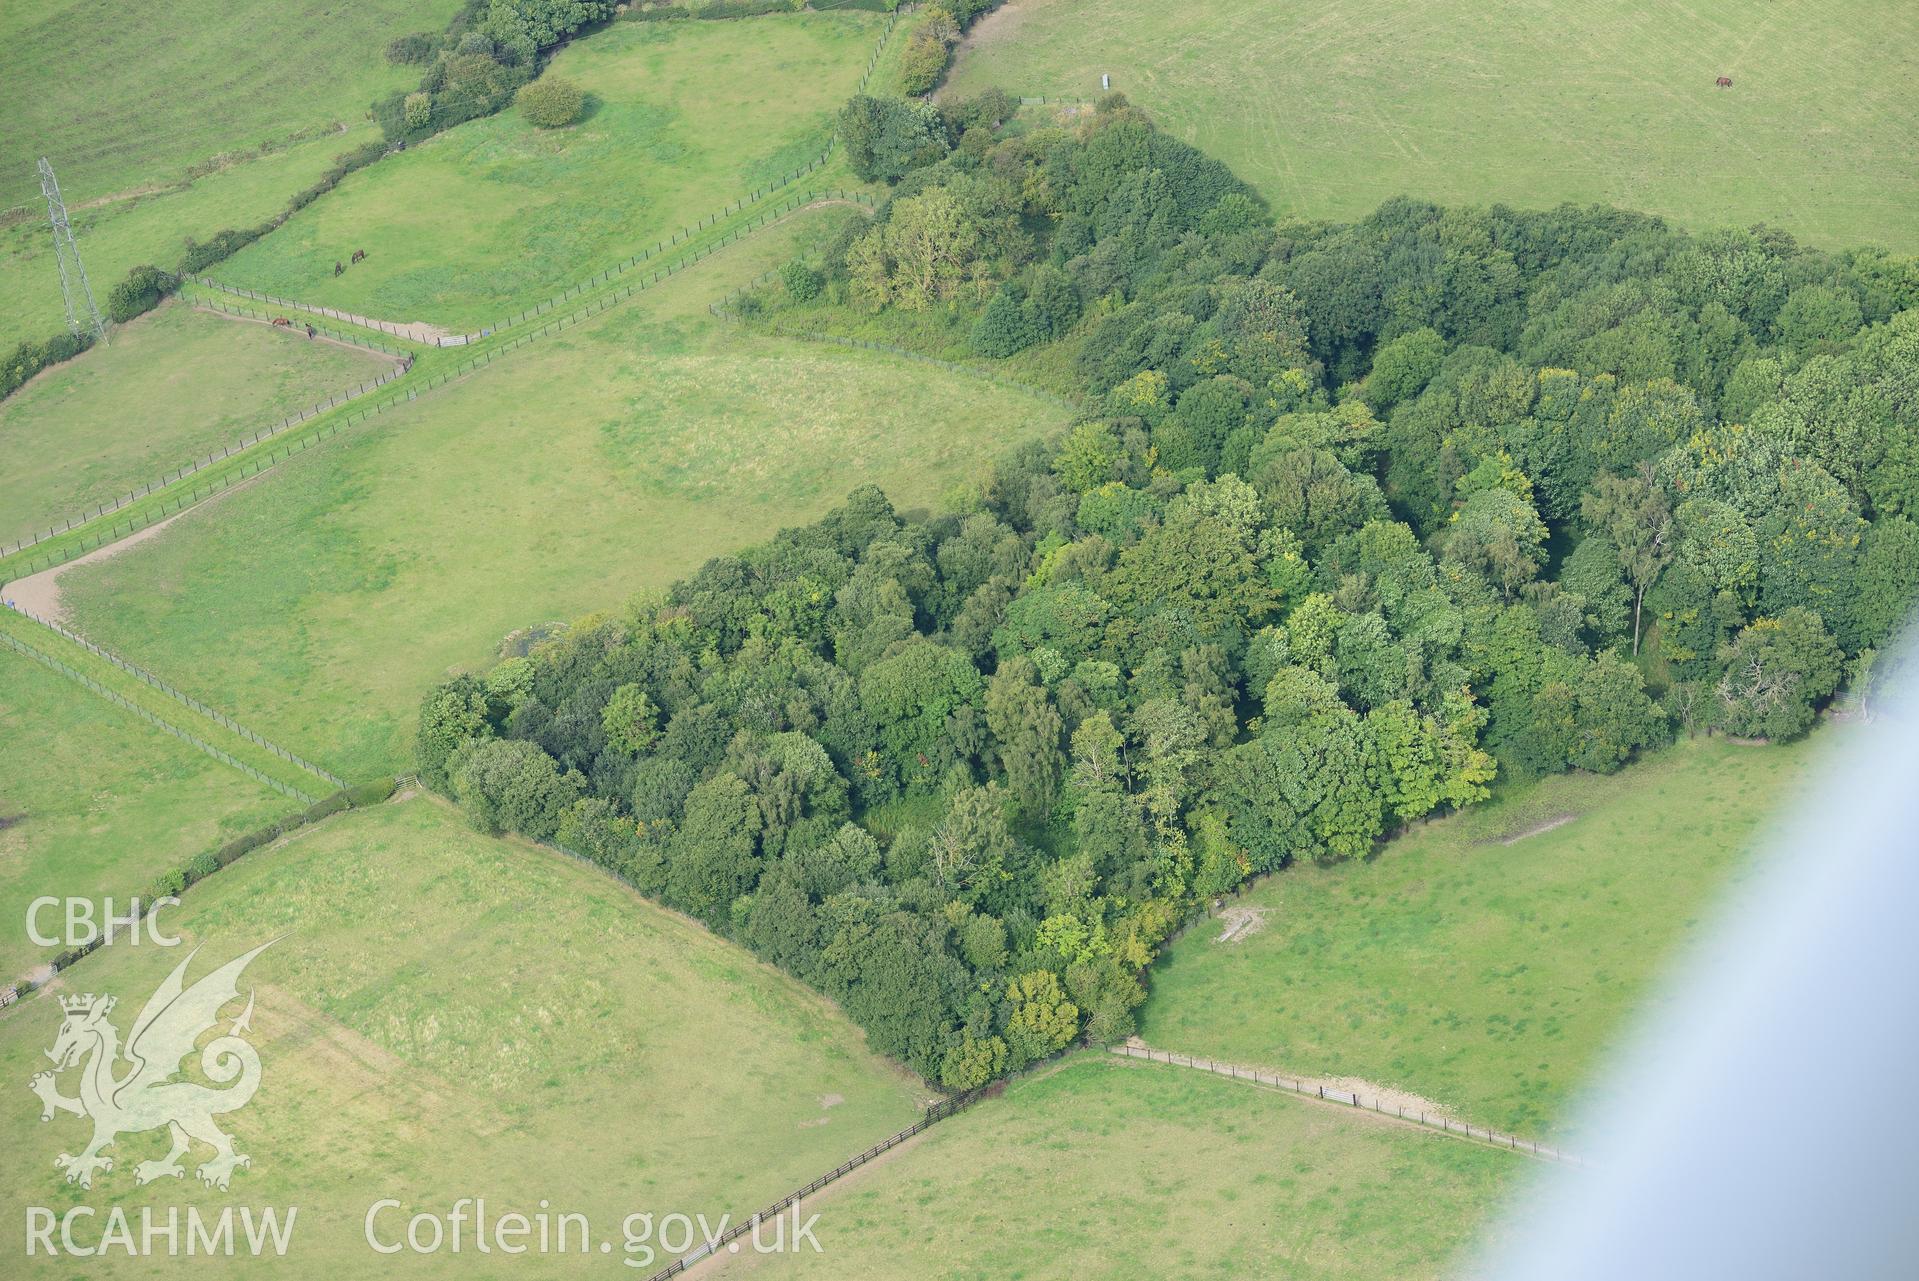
1724	82
339	268
359	255
282	321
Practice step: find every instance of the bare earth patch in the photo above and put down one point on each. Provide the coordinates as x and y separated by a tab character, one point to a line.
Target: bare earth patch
316	336
1389	1099
1404	1100
39	594
1241	923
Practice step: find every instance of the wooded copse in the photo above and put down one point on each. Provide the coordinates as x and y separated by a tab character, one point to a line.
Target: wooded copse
1367	516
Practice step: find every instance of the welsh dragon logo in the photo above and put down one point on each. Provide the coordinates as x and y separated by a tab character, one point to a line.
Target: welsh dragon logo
132	1089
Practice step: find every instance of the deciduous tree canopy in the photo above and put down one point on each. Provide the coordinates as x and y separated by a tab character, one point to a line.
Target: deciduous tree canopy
1356	518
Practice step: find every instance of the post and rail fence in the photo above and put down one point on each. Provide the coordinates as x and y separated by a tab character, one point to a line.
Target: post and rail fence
932	1115
947	1107
192	740
683	235
1351	1098
322	331
227	452
573	291
410	333
251	463
213	714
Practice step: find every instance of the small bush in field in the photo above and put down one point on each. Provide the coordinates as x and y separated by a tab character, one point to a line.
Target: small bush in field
551	102
416	47
801	281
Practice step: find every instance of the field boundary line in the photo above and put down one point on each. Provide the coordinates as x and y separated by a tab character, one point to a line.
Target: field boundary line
225	758
250	462
223	856
685	235
938	1111
325	331
186	700
931	1116
1352	1099
227	452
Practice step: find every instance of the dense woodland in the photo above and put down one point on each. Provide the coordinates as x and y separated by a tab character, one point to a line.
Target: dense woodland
1360	519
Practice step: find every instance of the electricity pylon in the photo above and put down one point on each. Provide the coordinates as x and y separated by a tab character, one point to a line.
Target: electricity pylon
63	249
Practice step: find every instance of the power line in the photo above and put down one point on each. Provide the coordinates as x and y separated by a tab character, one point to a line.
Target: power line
63	249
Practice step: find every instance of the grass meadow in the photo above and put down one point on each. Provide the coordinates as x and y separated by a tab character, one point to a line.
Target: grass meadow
1330	109
318	604
96	802
124	96
495	215
943	330
169	388
1487	977
421	1041
1099	1167
118	235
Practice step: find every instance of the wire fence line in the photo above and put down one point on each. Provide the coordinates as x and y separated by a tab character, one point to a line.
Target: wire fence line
682	236
550	305
227	452
113	696
186	700
324	331
1352	1098
393	328
251	463
931	1116
879	47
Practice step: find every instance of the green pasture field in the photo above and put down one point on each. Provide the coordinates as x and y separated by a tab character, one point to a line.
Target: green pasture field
111	681
117	235
1330	109
1487	977
129	95
943	331
96	802
1104	1168
495	215
172	386
446	1015
318	604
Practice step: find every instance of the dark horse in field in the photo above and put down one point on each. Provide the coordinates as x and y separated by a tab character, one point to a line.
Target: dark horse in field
359	255
1724	82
